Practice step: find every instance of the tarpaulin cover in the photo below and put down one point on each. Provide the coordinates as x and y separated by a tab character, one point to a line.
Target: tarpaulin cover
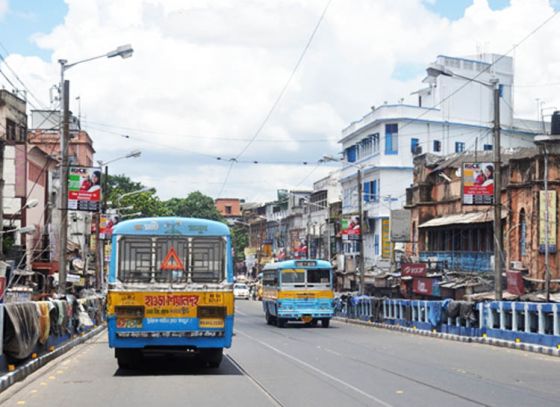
21	329
43	307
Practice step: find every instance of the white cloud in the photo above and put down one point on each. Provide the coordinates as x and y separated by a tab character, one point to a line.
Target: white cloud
4	6
205	74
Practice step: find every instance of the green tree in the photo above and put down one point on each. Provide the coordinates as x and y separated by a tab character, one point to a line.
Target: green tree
240	240
147	203
195	205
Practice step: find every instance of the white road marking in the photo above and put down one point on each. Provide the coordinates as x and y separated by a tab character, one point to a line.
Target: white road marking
317	370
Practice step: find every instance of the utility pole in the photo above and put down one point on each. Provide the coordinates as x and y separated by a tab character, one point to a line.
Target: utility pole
546	226
63	235
361	236
2	148
497	196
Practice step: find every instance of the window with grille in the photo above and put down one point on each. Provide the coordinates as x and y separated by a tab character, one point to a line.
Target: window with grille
161	259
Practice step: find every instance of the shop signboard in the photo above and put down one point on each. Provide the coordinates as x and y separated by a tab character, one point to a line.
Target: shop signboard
414	269
422	286
551	240
84	188
478	183
104	225
400	225
385	239
350	227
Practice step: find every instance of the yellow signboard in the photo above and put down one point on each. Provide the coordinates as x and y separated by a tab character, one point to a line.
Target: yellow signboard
169	304
385	239
551	241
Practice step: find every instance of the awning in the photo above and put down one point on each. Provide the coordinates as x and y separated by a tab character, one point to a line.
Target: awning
462	219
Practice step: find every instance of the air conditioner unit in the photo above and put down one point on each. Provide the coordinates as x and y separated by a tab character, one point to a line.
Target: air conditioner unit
517	265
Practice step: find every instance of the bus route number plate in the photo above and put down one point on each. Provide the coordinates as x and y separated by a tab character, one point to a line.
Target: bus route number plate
214	298
211	323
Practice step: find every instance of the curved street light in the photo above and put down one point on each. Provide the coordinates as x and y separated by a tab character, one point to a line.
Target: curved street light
124	51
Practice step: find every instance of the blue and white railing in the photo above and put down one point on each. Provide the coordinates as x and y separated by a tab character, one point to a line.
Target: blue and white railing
522	322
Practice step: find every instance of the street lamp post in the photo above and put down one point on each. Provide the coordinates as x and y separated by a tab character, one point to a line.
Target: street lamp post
124	51
435	70
100	248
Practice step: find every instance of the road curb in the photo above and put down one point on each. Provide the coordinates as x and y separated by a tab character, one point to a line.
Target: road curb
528	347
26	369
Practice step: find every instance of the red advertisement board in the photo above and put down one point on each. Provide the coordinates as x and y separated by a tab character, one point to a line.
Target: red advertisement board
84	188
515	284
478	183
414	269
422	286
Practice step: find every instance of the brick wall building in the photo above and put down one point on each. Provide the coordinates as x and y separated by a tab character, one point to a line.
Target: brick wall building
444	228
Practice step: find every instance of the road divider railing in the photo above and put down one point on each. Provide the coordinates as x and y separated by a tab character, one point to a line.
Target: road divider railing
31	329
519	322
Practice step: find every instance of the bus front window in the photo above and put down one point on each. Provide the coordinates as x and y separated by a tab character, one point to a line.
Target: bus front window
318	277
293	276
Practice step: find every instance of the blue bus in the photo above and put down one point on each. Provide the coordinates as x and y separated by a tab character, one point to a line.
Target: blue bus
298	290
170	288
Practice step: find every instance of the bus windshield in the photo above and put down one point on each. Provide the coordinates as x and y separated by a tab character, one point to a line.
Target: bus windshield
293	276
161	259
318	276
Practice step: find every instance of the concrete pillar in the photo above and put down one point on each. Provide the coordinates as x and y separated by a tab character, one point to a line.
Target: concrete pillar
527	318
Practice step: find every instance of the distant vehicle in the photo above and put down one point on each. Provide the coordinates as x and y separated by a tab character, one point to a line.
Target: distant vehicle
170	288
241	291
298	290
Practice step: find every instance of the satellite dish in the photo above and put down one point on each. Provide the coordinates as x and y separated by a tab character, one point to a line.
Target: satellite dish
458	172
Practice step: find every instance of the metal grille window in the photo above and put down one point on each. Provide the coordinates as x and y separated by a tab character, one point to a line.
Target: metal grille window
208	260
135	259
170	259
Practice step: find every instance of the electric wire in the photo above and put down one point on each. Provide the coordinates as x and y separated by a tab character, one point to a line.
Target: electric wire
281	94
486	69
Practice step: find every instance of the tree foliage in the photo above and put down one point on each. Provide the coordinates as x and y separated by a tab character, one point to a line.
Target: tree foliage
145	202
240	240
195	205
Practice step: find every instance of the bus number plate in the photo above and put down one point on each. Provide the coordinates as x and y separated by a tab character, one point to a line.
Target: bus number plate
211	323
214	298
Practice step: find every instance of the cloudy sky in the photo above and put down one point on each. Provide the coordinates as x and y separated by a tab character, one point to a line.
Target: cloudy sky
206	74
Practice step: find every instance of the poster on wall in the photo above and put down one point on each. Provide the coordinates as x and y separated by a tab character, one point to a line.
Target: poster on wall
478	183
84	189
551	241
385	239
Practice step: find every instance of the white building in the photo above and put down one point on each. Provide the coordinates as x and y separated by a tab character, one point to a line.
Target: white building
452	114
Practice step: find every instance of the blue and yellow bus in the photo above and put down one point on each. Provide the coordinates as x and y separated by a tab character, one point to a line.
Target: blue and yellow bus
298	290
170	288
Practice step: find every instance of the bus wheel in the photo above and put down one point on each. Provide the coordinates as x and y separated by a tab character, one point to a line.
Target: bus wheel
269	319
281	322
127	358
325	322
313	323
212	357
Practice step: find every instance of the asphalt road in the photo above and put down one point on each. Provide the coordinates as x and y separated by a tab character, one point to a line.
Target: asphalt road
344	365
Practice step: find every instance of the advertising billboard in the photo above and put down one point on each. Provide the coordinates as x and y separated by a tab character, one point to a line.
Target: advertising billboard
385	239
84	189
414	269
478	183
551	241
400	225
350	227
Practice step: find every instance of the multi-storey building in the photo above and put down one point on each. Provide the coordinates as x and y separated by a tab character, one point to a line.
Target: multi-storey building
452	114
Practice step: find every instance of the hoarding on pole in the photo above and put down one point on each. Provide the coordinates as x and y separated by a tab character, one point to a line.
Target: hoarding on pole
478	183
84	188
400	225
551	241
